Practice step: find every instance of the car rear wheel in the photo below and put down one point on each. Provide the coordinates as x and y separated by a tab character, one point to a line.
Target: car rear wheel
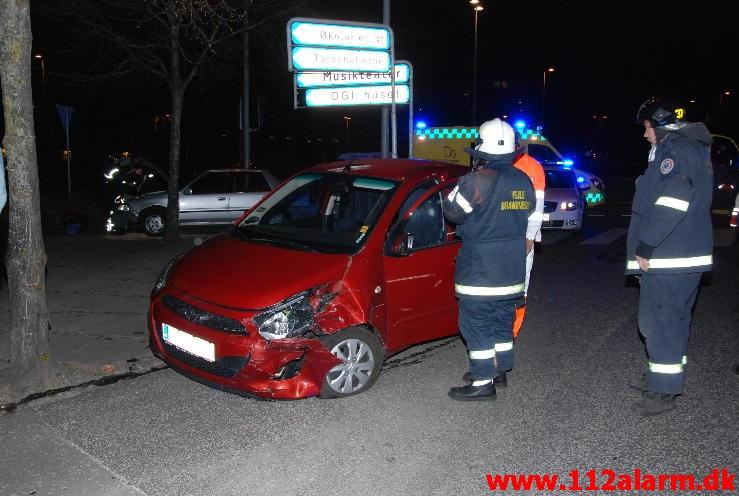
362	356
152	221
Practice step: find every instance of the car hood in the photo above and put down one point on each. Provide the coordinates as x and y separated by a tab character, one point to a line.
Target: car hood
561	194
240	274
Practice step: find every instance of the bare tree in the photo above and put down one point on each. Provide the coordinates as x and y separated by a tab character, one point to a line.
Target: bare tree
26	258
169	39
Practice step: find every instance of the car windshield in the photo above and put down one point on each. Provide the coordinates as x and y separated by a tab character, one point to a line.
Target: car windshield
560	179
331	213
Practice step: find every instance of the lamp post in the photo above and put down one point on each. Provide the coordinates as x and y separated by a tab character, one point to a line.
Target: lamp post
544	89
720	103
43	70
721	98
347	119
477	8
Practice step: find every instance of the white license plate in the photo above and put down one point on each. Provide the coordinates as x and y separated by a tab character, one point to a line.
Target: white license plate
189	343
545	217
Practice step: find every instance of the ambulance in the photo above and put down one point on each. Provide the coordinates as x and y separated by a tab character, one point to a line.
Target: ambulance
447	144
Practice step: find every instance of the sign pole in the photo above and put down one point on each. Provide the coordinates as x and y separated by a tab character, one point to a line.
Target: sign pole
69	156
65	116
384	115
393	107
410	115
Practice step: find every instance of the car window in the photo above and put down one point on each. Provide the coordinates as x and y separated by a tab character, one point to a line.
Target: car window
543	154
411	199
426	224
326	212
559	179
723	152
211	183
249	182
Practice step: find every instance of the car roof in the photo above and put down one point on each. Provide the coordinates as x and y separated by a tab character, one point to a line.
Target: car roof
393	169
236	170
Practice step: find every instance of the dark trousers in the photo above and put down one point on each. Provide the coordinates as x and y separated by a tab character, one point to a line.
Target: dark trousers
665	307
487	327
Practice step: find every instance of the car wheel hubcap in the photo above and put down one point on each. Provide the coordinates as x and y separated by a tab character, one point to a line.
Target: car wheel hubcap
154	223
356	368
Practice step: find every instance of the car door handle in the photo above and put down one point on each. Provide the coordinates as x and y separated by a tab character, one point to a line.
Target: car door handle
221	198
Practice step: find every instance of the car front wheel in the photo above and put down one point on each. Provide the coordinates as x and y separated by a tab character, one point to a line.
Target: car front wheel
153	222
361	355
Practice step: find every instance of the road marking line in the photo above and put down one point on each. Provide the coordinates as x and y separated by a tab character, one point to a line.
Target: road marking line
723	237
607	237
595	215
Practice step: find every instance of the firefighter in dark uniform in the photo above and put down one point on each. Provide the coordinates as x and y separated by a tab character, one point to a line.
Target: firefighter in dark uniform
670	244
491	207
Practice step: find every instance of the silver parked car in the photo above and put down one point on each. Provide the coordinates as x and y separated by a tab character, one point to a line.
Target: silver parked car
215	197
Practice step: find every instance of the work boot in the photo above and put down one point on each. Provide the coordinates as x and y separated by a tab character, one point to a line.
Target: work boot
652	403
499	380
639	383
469	392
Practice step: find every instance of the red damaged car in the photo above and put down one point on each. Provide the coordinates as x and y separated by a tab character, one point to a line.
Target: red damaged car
342	266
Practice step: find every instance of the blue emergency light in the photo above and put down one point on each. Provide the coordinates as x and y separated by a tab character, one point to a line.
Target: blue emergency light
519	124
420	125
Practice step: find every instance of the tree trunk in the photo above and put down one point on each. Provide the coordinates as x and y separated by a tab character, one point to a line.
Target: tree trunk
26	258
172	224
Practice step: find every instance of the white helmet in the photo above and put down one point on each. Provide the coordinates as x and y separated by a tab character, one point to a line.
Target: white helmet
498	138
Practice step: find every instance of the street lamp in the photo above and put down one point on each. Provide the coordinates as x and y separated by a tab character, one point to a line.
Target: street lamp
544	89
43	70
347	119
477	8
721	99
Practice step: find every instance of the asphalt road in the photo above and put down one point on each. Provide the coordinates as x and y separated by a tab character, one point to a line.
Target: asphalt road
566	407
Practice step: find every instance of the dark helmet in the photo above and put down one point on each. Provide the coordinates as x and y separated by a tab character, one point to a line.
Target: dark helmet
660	111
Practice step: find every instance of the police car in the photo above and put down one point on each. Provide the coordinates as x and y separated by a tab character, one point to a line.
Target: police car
564	202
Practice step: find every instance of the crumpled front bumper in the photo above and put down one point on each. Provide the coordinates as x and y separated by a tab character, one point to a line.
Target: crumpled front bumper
245	363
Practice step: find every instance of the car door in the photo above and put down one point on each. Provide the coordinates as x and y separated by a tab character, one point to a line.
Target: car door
205	200
247	188
419	279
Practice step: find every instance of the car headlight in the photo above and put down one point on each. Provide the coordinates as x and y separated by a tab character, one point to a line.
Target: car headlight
164	274
570	205
293	317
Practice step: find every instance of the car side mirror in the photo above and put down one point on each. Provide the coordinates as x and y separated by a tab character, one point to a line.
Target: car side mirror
188	191
403	245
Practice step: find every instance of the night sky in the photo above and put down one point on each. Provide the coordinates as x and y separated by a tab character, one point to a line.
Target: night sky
608	57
